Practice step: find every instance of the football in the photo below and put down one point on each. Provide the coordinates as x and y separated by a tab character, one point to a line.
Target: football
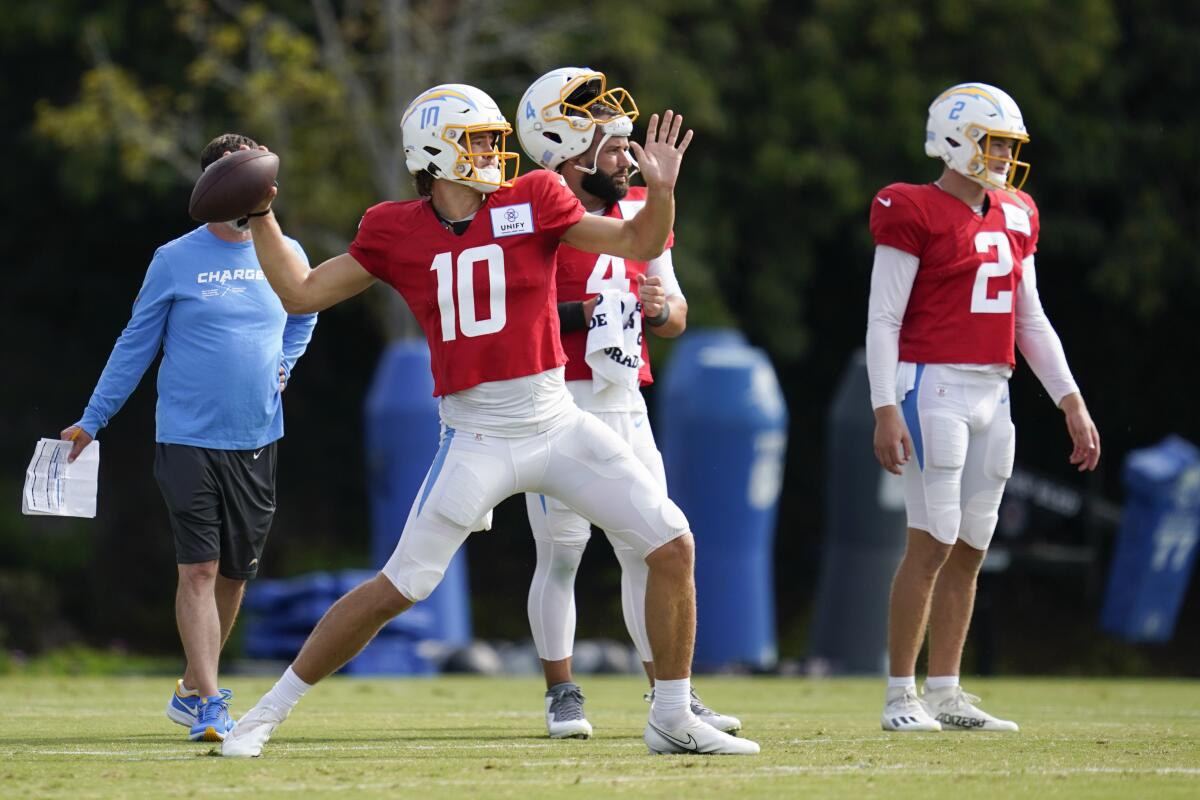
232	186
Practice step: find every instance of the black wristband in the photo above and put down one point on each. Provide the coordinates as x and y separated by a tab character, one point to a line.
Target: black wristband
661	319
571	317
262	213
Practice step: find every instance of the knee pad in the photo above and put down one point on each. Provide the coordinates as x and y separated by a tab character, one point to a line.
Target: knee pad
673	516
652	502
418	584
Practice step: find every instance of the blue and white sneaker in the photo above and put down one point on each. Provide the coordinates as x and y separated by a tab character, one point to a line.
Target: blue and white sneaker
213	721
184	707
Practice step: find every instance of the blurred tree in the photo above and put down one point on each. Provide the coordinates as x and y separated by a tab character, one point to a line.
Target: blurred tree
324	87
802	111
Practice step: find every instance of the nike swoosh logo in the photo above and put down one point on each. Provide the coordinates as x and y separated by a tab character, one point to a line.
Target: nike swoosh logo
259	453
886	202
690	744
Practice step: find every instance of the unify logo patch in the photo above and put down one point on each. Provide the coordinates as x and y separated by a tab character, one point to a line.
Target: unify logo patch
1016	219
512	220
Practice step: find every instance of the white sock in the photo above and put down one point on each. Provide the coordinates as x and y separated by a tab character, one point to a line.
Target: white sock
286	692
933	684
672	701
905	682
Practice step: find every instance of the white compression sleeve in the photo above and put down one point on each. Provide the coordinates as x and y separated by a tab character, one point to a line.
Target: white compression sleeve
892	277
664	267
1038	341
633	597
551	604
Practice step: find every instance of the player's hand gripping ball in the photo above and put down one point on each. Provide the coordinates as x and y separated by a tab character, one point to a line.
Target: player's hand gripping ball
233	185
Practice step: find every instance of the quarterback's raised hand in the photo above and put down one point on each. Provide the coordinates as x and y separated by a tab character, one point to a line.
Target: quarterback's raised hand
660	158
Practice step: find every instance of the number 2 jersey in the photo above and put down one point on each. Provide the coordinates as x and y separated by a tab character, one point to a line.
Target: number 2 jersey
962	306
485	299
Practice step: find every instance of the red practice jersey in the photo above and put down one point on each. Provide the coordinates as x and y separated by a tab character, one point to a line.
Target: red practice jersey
962	309
485	299
582	275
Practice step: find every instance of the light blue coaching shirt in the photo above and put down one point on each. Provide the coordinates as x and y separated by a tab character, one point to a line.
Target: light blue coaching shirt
224	335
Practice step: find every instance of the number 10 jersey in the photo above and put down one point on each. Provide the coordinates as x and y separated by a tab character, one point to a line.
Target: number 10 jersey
962	309
486	298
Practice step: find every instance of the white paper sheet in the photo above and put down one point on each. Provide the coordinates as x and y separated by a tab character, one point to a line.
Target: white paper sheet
54	487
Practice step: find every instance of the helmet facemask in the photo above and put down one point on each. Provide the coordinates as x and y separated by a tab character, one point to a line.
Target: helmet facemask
485	179
981	167
586	102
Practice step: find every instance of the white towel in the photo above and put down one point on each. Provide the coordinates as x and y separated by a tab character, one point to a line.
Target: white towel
614	341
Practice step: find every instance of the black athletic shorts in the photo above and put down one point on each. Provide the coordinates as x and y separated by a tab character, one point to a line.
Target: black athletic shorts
221	504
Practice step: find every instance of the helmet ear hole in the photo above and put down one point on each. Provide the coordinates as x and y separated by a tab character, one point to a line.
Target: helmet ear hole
433	151
554	137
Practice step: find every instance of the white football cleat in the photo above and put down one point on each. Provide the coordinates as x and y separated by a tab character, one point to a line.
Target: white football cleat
252	732
722	722
955	710
904	711
564	713
696	738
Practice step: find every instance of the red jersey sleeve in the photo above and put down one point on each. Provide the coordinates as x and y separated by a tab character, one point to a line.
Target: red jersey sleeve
556	206
896	221
1035	223
374	240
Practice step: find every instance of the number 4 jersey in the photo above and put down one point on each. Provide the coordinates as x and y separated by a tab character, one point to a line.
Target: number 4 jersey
962	306
485	299
582	275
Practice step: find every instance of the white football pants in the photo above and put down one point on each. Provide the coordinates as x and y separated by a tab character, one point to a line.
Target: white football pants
580	461
964	443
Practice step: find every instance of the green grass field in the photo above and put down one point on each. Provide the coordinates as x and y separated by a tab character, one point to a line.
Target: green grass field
484	737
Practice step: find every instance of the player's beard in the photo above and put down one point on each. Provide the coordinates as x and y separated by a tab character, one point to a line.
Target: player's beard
601	184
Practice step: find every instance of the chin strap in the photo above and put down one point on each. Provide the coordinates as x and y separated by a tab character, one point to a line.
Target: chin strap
621	126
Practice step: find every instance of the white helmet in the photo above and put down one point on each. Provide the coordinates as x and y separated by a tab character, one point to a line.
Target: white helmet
562	110
437	129
962	121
